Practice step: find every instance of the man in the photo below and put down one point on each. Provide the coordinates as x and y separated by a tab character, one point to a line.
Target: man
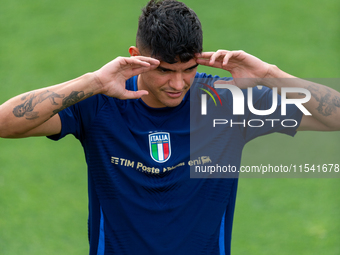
132	117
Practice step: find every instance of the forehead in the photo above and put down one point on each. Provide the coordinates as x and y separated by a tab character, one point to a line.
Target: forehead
178	66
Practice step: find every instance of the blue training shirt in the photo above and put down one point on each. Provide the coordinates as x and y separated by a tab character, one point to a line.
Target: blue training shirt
141	197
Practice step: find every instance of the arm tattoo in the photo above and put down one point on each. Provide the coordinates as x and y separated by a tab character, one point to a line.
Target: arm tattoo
328	104
73	98
31	100
26	109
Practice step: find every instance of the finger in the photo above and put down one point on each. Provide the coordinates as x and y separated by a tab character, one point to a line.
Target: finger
134	62
204	54
217	54
204	58
230	82
226	58
202	61
143	69
206	62
151	61
128	94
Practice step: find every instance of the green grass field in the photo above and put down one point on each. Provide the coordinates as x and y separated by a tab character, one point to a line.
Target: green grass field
43	189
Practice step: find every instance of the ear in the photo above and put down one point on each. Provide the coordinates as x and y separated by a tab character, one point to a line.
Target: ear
134	51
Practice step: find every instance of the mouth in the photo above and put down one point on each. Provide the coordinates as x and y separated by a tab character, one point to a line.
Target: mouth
174	94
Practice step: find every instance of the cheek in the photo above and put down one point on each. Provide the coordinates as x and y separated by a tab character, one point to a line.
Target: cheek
159	81
155	80
188	78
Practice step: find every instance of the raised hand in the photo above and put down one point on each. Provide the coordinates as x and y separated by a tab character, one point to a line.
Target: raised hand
113	75
239	63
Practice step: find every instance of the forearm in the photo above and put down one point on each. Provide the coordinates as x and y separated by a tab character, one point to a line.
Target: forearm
29	110
324	104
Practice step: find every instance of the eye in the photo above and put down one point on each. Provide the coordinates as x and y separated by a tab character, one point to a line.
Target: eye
190	69
162	71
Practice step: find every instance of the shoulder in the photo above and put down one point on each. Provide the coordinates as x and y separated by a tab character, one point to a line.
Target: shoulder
205	75
94	102
206	81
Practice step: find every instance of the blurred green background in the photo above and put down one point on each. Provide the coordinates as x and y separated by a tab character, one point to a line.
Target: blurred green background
43	190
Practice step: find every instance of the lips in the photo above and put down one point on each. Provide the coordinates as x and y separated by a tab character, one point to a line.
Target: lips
174	94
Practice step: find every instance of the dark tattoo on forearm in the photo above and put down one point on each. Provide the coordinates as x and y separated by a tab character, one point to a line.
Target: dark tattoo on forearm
73	98
328	104
31	100
336	101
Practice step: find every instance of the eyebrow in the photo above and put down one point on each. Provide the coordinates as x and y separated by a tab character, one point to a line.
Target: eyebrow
170	70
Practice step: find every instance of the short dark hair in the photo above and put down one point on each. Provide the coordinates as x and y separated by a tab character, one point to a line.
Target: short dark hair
170	31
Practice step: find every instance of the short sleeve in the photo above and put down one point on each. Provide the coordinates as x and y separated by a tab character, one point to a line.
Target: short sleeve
257	125
78	117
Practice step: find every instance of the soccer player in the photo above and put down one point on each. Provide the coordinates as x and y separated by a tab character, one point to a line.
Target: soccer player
132	117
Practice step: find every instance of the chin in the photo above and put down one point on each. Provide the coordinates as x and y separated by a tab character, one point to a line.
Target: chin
173	103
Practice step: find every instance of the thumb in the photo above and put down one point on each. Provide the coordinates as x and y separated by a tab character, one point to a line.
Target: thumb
128	94
229	82
242	83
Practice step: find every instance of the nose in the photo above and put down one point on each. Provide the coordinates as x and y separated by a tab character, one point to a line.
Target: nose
176	81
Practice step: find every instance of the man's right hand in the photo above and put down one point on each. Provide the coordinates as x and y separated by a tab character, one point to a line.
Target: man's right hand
112	76
35	113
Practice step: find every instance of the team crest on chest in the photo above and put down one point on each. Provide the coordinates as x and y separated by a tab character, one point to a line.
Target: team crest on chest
160	148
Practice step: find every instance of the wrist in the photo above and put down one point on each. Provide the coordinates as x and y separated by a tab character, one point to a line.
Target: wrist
275	72
272	74
96	85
